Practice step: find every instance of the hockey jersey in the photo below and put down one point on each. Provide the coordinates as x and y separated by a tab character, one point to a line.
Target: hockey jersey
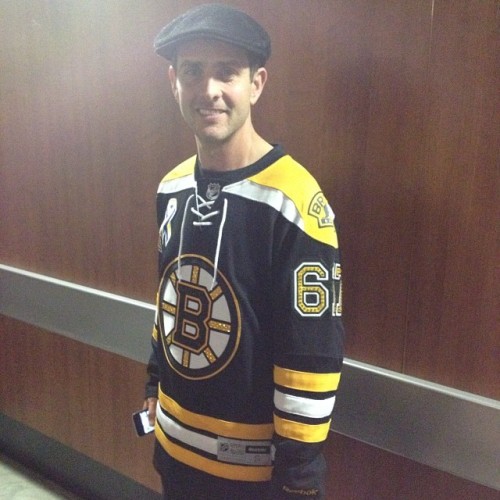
248	337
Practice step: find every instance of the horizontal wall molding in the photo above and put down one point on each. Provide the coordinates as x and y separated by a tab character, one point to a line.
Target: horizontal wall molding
111	322
447	429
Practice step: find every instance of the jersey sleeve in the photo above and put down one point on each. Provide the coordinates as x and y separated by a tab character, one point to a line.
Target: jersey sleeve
308	345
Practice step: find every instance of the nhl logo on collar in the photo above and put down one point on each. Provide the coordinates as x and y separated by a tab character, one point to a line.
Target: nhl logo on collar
213	190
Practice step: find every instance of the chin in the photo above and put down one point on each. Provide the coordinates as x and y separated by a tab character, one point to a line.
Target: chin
212	138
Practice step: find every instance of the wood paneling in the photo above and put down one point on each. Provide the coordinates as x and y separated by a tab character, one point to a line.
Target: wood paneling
83	131
362	472
80	396
83	397
453	335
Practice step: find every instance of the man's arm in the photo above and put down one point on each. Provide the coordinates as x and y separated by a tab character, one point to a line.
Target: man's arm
308	355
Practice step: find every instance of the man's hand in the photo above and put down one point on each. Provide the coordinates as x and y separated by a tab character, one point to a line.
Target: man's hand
150	405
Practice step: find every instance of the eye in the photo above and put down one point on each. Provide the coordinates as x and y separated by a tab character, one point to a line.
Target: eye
227	73
190	71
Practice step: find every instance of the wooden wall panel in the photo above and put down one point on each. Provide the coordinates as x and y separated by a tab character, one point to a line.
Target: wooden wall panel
83	136
453	335
362	472
78	395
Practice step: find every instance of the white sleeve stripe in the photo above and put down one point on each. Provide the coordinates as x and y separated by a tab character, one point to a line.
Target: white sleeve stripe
304	407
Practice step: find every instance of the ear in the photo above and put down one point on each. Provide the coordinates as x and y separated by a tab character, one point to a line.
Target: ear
172	75
258	81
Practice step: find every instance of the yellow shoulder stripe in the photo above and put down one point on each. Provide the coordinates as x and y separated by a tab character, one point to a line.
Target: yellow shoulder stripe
298	185
181	170
305	381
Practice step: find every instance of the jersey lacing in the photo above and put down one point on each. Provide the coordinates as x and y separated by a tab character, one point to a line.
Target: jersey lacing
204	219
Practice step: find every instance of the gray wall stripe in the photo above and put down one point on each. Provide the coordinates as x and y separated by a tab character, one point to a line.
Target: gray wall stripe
445	428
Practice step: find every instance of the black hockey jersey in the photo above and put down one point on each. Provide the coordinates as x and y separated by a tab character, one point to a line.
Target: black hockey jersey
247	344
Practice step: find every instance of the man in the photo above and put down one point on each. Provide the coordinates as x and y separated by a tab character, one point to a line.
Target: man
247	344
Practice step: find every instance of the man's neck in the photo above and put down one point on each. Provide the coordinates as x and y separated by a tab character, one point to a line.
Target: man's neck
233	154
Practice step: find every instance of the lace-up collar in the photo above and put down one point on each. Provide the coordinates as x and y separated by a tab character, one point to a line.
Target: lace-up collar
205	215
205	202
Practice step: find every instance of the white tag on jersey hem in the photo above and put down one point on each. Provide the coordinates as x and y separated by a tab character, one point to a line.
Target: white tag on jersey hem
242	452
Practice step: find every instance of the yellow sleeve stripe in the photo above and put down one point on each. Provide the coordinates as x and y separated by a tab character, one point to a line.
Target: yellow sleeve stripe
155	333
305	381
301	432
216	426
220	469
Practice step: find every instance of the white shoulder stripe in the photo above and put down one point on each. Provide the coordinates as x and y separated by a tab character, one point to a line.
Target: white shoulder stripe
304	407
270	196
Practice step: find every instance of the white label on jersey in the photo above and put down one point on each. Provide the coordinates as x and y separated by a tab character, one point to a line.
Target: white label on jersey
242	452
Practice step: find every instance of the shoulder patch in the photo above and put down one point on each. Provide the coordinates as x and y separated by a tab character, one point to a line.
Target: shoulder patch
321	211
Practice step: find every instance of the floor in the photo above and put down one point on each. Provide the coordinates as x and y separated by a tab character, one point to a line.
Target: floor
19	483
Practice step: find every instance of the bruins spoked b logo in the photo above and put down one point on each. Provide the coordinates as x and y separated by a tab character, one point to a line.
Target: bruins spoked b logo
200	326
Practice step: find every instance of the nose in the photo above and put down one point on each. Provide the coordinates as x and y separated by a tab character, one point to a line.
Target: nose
212	88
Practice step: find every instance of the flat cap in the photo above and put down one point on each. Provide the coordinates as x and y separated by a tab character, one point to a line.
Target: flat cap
215	22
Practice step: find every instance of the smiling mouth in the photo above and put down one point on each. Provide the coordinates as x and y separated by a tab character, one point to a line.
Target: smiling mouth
210	112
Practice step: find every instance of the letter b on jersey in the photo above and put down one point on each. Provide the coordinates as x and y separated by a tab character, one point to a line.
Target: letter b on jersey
193	314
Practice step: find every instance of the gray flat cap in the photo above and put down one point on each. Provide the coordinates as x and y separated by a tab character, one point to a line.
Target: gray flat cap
215	22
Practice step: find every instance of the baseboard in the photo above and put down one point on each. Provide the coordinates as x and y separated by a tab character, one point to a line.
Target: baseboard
74	471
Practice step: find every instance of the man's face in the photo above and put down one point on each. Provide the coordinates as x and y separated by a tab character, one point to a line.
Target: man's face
215	90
